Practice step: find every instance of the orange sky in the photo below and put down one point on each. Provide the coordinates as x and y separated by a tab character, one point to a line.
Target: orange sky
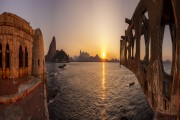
94	26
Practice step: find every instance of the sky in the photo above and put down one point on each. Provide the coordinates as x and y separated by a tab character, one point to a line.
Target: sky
94	26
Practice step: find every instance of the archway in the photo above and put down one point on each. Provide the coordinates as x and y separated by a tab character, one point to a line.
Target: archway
38	62
20	61
26	57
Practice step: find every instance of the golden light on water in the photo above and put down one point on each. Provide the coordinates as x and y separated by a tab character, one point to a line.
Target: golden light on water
103	96
103	82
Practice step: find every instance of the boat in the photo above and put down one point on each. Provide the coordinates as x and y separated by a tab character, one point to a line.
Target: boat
62	66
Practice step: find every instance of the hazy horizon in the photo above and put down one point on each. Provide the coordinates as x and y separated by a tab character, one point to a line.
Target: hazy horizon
94	26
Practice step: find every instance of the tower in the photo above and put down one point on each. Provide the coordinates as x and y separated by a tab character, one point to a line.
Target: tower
38	66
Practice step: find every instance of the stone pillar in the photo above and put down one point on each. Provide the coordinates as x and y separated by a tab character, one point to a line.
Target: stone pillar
173	37
138	26
30	59
17	59
147	40
125	51
23	57
13	59
162	27
176	9
3	58
38	54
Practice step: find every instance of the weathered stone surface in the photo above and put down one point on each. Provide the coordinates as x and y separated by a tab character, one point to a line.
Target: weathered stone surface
31	107
38	54
52	51
15	32
162	90
19	46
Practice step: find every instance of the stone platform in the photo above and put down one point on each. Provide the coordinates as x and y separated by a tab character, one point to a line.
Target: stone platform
26	99
15	89
31	107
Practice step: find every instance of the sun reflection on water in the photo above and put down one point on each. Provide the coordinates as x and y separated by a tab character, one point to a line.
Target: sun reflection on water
103	96
103	82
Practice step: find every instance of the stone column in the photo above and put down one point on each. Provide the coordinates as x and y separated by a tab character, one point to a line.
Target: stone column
138	27
173	37
3	58
162	27
176	8
30	58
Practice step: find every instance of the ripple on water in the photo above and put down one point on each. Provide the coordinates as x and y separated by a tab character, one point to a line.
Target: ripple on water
96	91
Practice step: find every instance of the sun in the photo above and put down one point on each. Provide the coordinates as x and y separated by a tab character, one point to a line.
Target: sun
103	55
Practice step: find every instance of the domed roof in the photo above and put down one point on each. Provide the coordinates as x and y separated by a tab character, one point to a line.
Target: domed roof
10	19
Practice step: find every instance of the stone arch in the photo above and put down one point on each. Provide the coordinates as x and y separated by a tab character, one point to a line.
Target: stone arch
147	38
33	62
7	56
138	25
158	86
145	31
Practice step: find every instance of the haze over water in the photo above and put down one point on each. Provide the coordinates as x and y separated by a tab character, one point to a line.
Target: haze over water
96	91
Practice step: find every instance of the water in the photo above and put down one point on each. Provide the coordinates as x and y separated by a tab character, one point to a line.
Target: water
95	91
167	67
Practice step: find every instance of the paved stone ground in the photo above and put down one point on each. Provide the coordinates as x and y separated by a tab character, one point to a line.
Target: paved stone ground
10	86
30	108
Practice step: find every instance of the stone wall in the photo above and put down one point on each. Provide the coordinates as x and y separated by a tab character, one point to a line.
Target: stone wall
22	55
15	32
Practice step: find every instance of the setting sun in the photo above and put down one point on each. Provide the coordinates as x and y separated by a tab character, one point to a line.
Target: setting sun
103	55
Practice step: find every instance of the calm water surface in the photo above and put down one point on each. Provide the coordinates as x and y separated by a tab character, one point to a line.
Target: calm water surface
95	91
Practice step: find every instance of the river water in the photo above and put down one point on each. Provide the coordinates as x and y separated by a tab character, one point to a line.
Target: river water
95	91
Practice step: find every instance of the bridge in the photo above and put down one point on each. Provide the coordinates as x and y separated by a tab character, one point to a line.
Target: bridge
147	24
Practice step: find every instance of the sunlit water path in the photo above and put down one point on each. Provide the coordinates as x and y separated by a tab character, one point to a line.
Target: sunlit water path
95	91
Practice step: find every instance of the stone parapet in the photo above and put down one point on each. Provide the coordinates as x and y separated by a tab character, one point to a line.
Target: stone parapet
20	95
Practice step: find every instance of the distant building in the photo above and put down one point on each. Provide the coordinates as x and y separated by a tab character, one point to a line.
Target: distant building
86	57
